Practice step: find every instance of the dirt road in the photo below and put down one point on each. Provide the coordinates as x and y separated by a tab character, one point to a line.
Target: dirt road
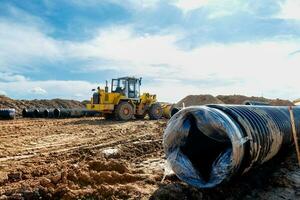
91	158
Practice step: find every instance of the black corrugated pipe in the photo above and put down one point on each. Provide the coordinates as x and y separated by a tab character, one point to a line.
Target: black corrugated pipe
256	103
207	145
49	113
39	112
91	113
8	113
69	113
174	110
28	112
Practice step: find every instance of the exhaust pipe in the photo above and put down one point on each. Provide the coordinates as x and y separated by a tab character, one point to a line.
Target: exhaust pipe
208	145
7	113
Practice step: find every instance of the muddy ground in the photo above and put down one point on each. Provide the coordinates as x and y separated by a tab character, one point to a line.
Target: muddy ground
90	158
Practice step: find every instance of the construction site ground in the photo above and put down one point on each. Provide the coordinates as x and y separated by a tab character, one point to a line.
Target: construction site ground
91	158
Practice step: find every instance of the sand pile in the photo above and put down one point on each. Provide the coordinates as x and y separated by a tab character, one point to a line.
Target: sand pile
199	100
239	99
228	99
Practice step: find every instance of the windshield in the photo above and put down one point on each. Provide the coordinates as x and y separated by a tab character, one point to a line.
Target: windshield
118	85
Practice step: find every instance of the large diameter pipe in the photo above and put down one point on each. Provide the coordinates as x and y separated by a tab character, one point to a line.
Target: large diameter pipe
71	113
27	113
256	103
40	113
49	113
207	145
7	113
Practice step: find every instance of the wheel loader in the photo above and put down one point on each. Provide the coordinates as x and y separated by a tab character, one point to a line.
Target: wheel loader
124	101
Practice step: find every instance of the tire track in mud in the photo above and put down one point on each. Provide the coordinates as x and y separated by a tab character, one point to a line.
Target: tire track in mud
69	145
72	142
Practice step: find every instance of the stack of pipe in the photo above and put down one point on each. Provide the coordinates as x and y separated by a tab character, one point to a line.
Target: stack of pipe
256	103
57	113
7	114
208	145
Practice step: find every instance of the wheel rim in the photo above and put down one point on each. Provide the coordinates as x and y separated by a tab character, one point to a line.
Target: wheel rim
126	111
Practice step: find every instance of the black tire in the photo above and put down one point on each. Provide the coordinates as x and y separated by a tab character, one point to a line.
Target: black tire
124	111
155	111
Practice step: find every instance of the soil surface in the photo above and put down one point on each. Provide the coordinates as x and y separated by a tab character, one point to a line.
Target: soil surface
91	158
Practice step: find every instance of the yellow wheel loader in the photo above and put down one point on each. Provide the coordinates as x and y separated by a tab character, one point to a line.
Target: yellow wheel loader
124	101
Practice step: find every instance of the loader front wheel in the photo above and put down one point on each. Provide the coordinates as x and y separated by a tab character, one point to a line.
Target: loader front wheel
155	111
124	111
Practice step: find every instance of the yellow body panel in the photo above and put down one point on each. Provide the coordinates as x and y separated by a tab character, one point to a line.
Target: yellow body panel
100	107
167	110
108	102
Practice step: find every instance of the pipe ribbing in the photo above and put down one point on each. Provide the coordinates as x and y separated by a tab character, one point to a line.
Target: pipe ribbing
7	113
207	145
256	103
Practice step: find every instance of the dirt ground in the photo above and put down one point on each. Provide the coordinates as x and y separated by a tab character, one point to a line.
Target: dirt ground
90	158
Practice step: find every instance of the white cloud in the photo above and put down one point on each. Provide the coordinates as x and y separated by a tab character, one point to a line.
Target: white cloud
9	77
290	9
53	88
38	90
22	45
187	5
242	68
3	92
250	68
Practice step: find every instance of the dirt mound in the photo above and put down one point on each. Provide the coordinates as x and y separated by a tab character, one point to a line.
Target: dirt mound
6	102
240	99
193	100
229	99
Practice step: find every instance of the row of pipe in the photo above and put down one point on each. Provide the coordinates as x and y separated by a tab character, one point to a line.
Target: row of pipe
7	113
57	113
174	109
256	103
208	145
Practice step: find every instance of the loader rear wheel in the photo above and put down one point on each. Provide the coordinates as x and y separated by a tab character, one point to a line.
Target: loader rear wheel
124	111
155	111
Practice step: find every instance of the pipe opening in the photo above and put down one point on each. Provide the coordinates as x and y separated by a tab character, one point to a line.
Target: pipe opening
46	113
36	113
56	113
204	147
24	112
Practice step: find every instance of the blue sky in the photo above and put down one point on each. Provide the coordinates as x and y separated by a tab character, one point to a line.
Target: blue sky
63	49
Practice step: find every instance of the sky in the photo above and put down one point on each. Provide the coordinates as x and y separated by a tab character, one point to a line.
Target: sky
65	48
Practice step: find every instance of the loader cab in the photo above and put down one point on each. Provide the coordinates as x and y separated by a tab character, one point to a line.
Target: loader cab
127	86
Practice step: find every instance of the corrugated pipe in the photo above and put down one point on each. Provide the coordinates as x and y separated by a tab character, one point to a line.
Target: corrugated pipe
91	113
174	110
208	145
49	113
28	113
69	113
256	103
7	113
39	113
